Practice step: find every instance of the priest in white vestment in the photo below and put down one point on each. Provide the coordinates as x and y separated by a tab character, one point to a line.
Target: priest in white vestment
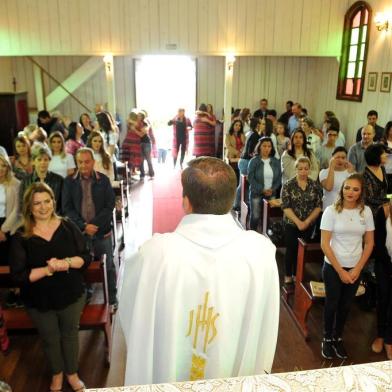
201	302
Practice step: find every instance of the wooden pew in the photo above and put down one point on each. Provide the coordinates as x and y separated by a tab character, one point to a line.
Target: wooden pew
125	175
271	212
120	212
244	201
94	315
308	253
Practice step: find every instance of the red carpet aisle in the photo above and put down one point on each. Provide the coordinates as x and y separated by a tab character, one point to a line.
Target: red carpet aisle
167	200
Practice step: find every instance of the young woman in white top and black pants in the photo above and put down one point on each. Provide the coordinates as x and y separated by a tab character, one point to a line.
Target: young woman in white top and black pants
344	227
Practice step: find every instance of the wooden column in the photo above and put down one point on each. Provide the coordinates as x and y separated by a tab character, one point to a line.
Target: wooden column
110	87
228	95
39	88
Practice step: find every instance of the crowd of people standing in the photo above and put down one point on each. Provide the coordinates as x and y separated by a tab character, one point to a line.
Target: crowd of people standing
64	175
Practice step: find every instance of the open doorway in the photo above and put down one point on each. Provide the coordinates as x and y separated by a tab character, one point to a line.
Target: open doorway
164	84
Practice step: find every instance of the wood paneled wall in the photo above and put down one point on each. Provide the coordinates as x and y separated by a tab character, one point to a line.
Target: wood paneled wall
199	27
278	79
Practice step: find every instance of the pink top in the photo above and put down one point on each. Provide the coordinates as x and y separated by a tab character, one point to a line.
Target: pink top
71	146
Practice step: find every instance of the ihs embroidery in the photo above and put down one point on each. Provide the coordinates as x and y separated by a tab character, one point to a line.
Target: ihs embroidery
203	323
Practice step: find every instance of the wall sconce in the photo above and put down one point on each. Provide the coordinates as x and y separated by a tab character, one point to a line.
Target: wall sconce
230	60
382	21
108	60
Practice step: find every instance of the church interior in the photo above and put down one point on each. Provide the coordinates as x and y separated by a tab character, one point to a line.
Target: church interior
67	57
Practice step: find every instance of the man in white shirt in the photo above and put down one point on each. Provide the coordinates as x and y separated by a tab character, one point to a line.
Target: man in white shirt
203	301
294	119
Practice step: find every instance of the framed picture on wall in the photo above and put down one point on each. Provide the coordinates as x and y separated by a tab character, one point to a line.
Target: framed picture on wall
372	81
386	78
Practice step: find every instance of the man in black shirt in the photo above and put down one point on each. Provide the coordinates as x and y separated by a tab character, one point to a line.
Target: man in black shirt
262	112
181	127
48	123
284	118
372	118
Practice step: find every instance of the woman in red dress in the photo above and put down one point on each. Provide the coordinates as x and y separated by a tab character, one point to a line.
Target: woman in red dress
204	133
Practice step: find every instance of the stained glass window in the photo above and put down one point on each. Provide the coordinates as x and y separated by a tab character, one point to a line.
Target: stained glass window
354	52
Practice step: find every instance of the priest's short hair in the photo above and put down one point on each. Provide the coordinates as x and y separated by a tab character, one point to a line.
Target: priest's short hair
210	185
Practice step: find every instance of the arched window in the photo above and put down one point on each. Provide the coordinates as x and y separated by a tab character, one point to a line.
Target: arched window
354	52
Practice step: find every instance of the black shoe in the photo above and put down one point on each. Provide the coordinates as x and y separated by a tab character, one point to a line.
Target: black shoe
327	348
89	294
113	307
11	300
339	349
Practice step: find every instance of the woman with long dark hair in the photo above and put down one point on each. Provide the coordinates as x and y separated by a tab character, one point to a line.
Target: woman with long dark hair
103	162
235	140
264	178
74	141
48	257
375	177
297	149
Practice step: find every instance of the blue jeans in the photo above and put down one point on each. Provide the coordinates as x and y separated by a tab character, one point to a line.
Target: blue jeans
101	246
146	155
162	155
256	204
243	168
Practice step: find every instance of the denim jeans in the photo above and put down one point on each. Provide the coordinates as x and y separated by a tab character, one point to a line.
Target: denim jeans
256	204
162	155
101	246
146	155
338	299
243	168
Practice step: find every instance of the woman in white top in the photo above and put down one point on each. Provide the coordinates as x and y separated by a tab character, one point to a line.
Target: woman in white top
312	134
245	116
9	206
103	162
109	131
331	179
347	239
61	163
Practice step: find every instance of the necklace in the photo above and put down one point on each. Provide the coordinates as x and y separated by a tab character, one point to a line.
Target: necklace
351	212
24	165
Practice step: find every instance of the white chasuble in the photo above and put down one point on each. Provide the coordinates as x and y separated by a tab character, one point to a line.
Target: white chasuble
201	302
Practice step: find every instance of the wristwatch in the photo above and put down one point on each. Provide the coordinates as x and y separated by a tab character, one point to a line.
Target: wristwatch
69	261
48	272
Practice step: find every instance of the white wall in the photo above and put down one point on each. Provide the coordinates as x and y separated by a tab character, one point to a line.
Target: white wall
309	80
198	27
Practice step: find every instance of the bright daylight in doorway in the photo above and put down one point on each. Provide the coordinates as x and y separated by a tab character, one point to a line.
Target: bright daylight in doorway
164	84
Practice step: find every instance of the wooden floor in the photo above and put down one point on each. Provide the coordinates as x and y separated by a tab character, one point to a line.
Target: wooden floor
25	367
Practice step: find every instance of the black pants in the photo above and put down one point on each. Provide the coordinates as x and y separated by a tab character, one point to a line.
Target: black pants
291	235
384	301
4	247
338	299
181	145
